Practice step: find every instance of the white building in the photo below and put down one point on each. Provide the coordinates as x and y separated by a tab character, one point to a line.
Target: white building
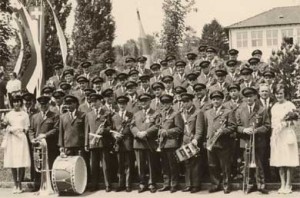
265	31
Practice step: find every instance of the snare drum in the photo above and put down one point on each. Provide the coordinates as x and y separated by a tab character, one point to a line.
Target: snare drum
69	175
186	152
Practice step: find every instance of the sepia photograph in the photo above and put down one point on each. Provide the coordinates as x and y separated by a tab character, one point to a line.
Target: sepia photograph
131	98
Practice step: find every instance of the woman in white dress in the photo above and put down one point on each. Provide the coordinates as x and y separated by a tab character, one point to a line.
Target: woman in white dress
15	143
284	148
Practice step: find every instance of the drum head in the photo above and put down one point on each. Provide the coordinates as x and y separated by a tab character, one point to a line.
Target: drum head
80	175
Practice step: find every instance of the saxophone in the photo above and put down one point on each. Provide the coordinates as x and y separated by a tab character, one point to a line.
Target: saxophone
96	136
212	141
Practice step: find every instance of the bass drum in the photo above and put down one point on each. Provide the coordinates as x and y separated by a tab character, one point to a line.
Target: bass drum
69	175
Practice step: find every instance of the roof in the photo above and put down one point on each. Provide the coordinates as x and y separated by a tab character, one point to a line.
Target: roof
276	16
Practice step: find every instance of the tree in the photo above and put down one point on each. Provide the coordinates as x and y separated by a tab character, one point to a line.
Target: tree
174	23
5	32
213	34
190	41
93	32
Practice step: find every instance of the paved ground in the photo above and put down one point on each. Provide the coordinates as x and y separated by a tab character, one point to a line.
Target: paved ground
7	192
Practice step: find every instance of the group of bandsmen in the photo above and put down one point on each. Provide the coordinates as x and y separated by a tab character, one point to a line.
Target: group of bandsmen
135	112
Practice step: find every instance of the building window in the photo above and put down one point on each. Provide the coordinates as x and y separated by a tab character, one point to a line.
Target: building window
257	38
272	37
288	33
241	39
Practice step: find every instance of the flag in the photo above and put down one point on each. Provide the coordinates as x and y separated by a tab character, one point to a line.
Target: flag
21	35
61	37
144	45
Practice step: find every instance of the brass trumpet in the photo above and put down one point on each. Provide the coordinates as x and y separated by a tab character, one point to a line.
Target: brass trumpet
42	166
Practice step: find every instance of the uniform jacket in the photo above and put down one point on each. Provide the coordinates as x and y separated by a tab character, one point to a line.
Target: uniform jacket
79	94
71	131
145	122
85	107
133	104
202	104
180	80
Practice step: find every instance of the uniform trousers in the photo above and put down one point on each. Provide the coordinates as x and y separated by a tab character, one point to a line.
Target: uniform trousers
219	160
193	171
170	167
125	168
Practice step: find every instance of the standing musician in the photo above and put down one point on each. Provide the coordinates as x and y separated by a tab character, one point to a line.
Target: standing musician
86	106
177	105
145	85
86	70
71	128
253	120
110	81
133	75
179	76
109	98
97	141
256	70
169	85
220	124
109	64
144	130
164	65
131	93
57	77
155	68
207	74
201	99
97	84
247	77
170	69
83	84
233	75
130	64
191	57
141	66
169	135
221	84
123	144
45	125
261	65
233	55
121	89
158	89
193	133
57	107
191	80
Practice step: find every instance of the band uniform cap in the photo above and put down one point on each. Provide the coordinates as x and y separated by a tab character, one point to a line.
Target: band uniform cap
43	100
58	94
204	64
109	60
170	58
253	61
95	96
155	66
16	98
97	79
269	73
157	85
86	64
68	71
246	71
47	90
122	76
144	97
130	84
211	49
199	87
180	63
216	94
89	91
191	56
71	99
133	72
202	48
257	51
163	63
141	59
82	79
65	86
249	91
109	72
234	86
192	76
58	66
144	78
233	52
167	78
186	97
220	72
130	60
166	98
180	90
28	96
231	63
122	99
108	93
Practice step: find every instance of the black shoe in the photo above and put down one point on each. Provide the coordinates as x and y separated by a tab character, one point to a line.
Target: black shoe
213	189
93	189
173	189
164	188
195	189
263	191
152	189
120	188
186	189
226	191
250	190
107	189
128	189
143	189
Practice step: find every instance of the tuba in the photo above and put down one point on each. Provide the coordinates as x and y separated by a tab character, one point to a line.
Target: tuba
42	166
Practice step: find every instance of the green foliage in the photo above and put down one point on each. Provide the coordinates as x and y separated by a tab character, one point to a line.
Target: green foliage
174	24
213	34
5	32
93	31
